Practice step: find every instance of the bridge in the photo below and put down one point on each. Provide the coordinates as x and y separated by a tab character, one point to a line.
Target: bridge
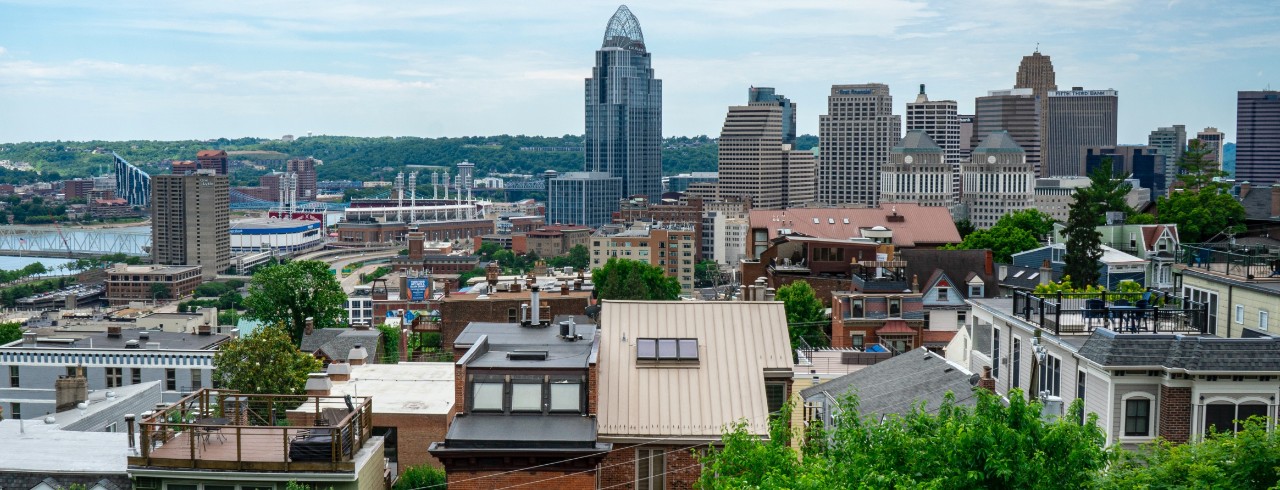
52	242
242	201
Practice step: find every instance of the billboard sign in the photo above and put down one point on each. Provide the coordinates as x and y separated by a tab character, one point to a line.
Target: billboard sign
417	288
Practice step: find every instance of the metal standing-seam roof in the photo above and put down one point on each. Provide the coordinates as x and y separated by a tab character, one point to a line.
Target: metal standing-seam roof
737	343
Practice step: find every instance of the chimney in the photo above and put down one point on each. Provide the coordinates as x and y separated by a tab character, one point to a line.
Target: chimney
577	284
564	288
915	283
415	239
128	422
310	327
535	310
70	391
29	339
990	262
1046	272
339	371
113	331
357	355
404	345
318	384
1004	272
986	382
491	272
205	329
1244	189
1275	200
769	294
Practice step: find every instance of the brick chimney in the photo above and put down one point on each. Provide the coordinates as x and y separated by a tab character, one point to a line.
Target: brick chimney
1046	272
564	288
415	239
491	273
71	390
339	371
357	355
986	382
310	327
318	384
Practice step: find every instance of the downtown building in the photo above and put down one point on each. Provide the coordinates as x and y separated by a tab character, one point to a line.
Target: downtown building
940	120
1212	140
1170	143
997	181
190	221
1015	111
1077	119
855	137
917	172
755	158
1258	136
583	198
1035	72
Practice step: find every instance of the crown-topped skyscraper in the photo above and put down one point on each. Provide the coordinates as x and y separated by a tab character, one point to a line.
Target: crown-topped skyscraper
1036	73
624	110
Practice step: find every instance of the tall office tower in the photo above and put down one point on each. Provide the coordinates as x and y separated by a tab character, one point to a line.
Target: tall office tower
1142	163
1036	73
940	120
583	198
191	221
801	176
855	136
917	172
1212	140
997	180
624	110
750	155
767	96
1078	119
305	168
1169	142
967	125
1016	112
215	160
1258	136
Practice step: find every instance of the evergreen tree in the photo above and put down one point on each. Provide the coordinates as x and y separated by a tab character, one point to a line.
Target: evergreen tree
1084	242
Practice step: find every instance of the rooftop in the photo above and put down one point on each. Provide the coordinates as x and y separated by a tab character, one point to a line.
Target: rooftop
911	224
916	141
623	31
336	343
1074	316
901	383
45	449
103	340
153	269
404	388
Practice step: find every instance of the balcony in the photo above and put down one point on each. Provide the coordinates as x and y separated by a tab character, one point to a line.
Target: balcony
1080	313
223	430
1240	262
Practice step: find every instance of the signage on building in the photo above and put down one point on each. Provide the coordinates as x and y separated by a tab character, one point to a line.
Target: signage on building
854	91
417	288
1082	93
297	216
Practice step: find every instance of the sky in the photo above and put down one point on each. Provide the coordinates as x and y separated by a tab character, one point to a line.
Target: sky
126	69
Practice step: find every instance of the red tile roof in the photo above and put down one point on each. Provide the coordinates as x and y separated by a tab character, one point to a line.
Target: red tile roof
895	326
913	224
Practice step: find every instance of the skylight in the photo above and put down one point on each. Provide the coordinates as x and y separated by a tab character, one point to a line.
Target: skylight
667	349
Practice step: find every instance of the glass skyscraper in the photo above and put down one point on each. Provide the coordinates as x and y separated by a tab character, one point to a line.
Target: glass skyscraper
624	111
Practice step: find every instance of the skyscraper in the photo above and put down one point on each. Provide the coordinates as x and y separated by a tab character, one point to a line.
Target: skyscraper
855	136
624	110
940	120
917	172
1212	140
1169	142
1016	112
1036	73
1258	141
190	221
755	159
1078	119
305	168
583	198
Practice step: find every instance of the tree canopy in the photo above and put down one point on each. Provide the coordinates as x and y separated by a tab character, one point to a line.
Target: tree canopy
1195	170
1104	194
1201	214
265	362
806	316
287	294
631	279
1014	232
9	332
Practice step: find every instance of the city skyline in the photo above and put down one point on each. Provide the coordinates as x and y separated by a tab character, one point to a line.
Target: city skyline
241	69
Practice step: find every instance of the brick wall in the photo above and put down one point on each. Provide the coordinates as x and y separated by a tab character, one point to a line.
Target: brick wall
456	314
618	470
414	433
1175	413
487	480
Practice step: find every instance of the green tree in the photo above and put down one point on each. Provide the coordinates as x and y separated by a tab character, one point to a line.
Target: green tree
806	316
421	477
160	290
289	293
265	362
1141	219
630	279
1003	242
992	445
579	257
1249	458
9	332
230	300
965	227
1202	214
1104	194
487	249
1038	223
705	273
1195	170
466	276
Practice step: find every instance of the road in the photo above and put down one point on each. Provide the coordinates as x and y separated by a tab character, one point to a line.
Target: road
350	281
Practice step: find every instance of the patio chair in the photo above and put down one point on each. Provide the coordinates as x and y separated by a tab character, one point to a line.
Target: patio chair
1093	309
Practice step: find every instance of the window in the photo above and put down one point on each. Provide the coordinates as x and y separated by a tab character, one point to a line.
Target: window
667	349
962	317
995	353
1239	313
196	380
171	379
566	396
775	393
1137	417
1263	320
977	291
114	376
1016	362
944	294
857	340
526	397
895	307
646	348
650	469
1222	416
15	411
13	377
486	396
1050	376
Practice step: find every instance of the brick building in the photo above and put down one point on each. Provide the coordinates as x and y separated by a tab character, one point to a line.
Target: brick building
112	208
675	248
554	241
127	283
504	302
215	160
77	188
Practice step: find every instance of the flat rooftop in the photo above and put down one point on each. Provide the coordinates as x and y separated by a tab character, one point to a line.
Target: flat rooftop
45	449
152	269
420	388
100	340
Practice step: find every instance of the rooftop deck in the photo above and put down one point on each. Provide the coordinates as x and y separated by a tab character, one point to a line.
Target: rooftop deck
224	430
1080	313
1238	262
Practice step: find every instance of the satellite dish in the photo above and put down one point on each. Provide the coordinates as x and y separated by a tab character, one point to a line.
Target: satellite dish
974	378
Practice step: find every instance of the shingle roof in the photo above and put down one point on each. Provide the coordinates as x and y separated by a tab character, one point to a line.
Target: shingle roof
919	224
336	343
916	141
1192	353
737	343
922	262
900	383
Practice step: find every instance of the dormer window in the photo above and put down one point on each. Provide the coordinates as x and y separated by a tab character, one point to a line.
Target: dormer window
667	349
944	294
486	396
977	291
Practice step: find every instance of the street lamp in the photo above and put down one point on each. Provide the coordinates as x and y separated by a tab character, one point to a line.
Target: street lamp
1038	355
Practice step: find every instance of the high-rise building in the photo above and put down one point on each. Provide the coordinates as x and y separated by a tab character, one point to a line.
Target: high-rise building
917	172
940	120
1142	163
624	111
305	168
583	198
997	181
215	160
1078	119
1036	73
1016	112
755	161
855	136
1258	136
1169	142
767	96
1212	140
190	221
968	122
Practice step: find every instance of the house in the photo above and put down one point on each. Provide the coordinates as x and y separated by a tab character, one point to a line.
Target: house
1155	244
910	225
1239	284
524	410
673	375
920	378
1114	266
337	344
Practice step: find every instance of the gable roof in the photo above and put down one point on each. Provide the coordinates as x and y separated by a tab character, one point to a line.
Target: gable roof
956	264
900	383
336	343
1151	233
737	343
913	224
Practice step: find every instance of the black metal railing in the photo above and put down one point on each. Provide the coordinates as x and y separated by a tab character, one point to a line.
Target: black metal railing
1246	262
1080	313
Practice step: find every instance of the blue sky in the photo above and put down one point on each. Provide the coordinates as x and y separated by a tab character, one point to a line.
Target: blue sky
129	69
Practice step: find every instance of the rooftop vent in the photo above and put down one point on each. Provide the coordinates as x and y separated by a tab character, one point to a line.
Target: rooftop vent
527	355
113	331
144	335
131	344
